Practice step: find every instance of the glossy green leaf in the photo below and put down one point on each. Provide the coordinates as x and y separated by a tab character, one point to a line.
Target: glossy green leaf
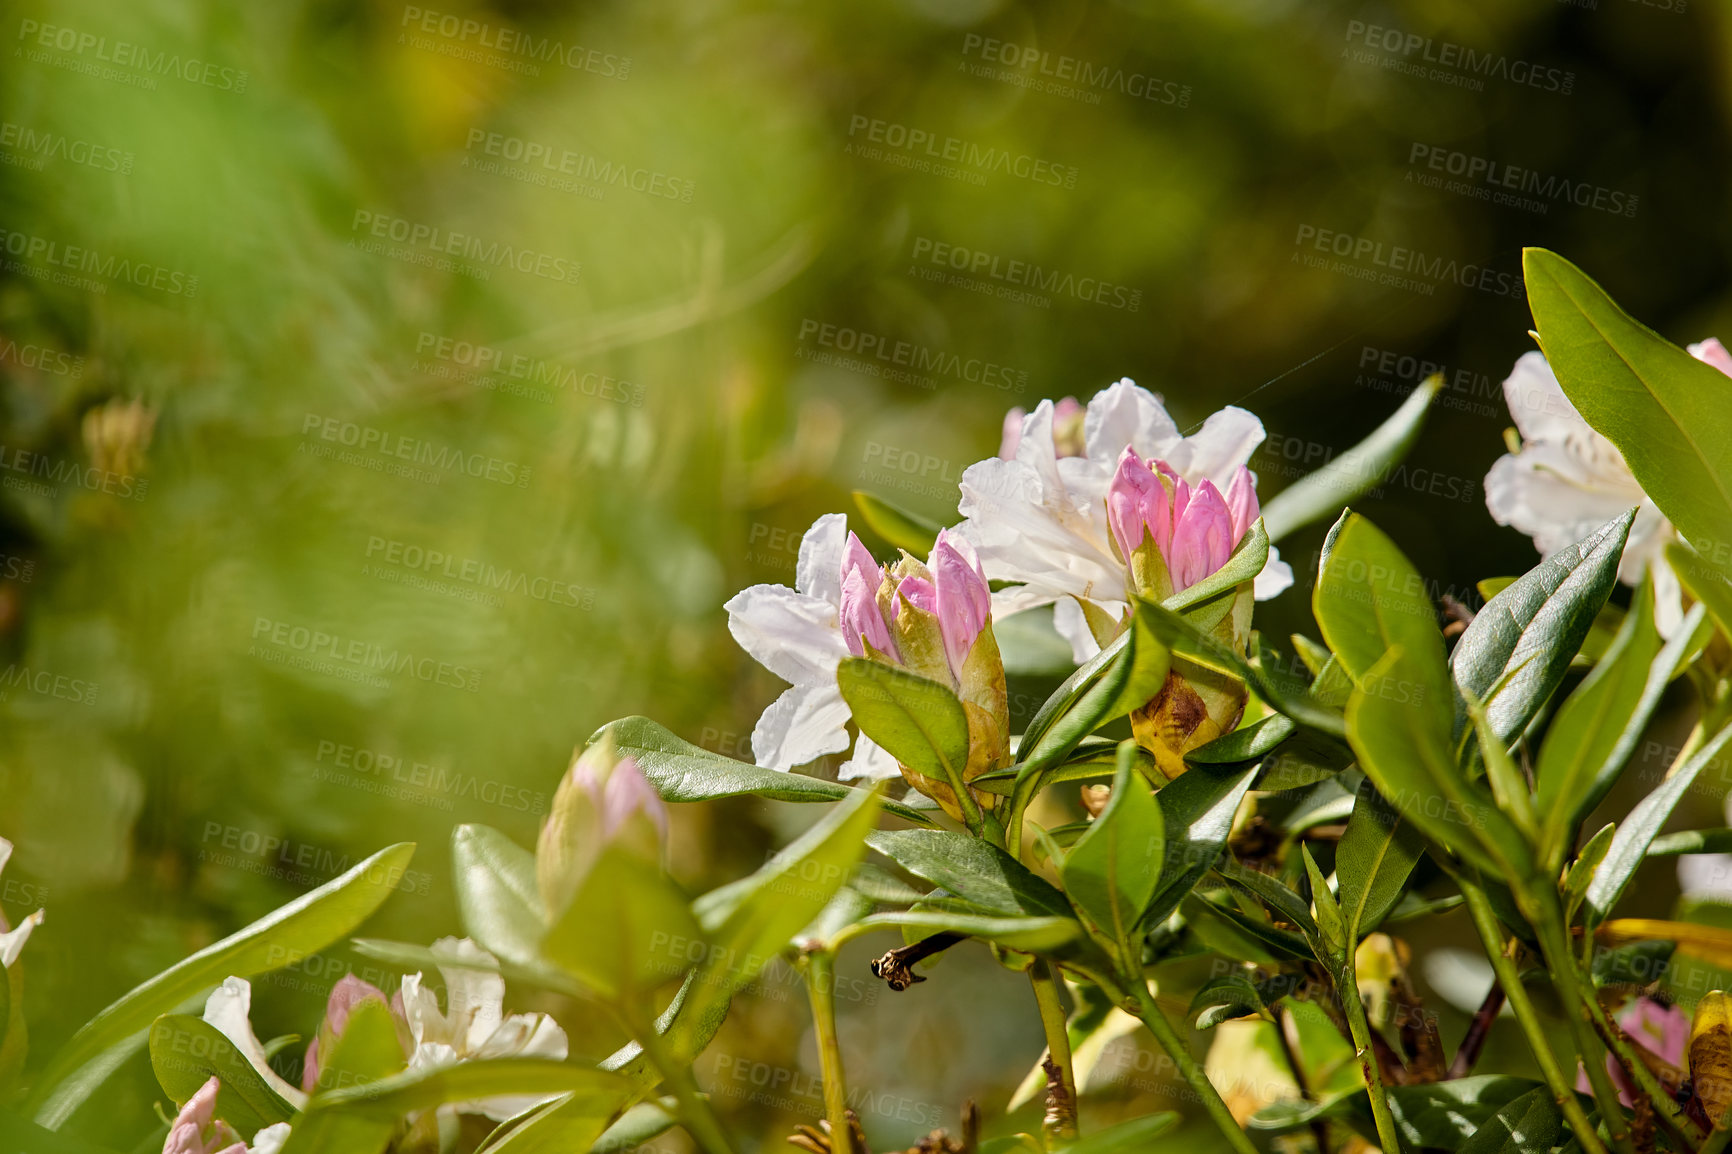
1531	1124
1583	869
1227	997
1247	743
1630	845
1032	934
185	1052
1358	471
1369	599
1197	812
681	771
1373	862
1668	413
497	895
1717	840
1279	896
912	718
426	1089
1522	641
574	1121
901	528
973	870
1331	927
756	918
638	1125
618	934
288	934
1597	727
1405	749
1111	872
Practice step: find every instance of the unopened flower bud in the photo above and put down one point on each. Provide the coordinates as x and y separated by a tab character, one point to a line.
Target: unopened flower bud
602	800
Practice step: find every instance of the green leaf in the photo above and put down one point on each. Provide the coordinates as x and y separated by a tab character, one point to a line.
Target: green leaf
1354	473
1582	872
497	895
297	930
1630	845
1406	751
1526	636
912	718
1331	928
1227	997
1119	679
1128	1137
1448	1114
899	527
1707	584
426	1089
1373	862
1031	934
681	771
1185	639
1209	600
1668	413
636	1126
366	1051
620	932
572	1122
1197	812
1529	1125
1238	934
1247	743
1369	599
1111	872
756	918
186	1051
1718	840
1274	892
974	870
1597	727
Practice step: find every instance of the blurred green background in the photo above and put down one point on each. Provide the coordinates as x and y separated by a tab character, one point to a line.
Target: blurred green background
251	252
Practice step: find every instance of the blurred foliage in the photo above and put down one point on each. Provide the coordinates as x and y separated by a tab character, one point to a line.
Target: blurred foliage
201	772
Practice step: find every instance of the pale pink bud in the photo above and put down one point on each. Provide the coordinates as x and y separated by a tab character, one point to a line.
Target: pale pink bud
919	593
1242	502
1202	534
195	1129
1138	505
963	598
862	622
1012	433
1714	353
348	993
627	793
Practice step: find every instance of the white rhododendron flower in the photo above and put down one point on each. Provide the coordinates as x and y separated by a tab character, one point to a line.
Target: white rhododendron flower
1567	480
12	940
797	635
229	1009
474	1024
1039	519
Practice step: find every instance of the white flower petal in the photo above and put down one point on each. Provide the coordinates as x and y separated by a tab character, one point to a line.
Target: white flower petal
1042	534
805	723
796	636
1276	577
228	1009
1668	599
1537	402
1706	875
869	763
474	992
1226	441
270	1140
427	1026
818	572
1544	492
1125	414
12	942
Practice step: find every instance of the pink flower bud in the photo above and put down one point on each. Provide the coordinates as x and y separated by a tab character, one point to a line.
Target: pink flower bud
1202	535
963	599
348	993
1138	505
196	1130
627	793
1242	502
862	622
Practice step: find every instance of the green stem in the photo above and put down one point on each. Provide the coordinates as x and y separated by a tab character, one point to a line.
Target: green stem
695	1113
1144	1007
1347	989
1052	1020
1485	921
1716	1141
820	966
1680	1123
1543	910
